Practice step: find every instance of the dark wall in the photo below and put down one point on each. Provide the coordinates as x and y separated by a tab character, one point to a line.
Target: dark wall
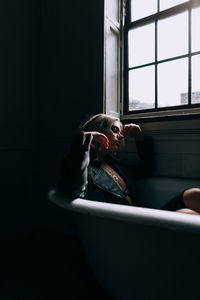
73	33
18	113
51	77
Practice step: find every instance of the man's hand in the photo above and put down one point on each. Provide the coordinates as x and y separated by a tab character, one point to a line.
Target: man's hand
97	137
133	130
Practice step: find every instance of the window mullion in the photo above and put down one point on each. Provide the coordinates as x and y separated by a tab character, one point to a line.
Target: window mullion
128	11
189	59
156	66
158	5
126	53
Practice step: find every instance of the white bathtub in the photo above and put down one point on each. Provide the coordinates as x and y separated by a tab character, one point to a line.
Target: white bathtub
139	253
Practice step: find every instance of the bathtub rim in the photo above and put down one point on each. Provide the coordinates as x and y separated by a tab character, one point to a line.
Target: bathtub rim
137	215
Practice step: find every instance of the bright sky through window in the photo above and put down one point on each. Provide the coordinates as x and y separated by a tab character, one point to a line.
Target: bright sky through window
163	55
164	4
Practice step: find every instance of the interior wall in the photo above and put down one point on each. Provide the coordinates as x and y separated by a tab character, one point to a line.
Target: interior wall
19	21
74	37
73	33
51	78
176	147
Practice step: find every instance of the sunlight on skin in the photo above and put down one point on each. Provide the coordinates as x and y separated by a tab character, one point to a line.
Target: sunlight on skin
114	138
191	198
188	211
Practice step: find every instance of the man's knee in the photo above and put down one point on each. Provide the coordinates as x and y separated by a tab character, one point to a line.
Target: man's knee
191	198
192	193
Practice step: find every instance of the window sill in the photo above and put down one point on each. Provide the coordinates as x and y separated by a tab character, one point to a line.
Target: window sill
185	121
190	113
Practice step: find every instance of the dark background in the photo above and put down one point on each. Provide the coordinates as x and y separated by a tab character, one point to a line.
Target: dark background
51	78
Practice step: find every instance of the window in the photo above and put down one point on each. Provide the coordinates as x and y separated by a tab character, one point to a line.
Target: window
162	57
113	53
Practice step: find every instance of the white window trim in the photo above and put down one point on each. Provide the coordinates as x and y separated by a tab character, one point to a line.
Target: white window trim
166	113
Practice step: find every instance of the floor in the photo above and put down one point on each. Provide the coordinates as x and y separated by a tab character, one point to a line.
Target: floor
46	265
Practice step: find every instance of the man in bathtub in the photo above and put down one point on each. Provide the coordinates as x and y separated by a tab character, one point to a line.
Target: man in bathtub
92	171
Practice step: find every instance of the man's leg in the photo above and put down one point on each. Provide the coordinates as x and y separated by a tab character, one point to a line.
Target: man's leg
186	202
191	198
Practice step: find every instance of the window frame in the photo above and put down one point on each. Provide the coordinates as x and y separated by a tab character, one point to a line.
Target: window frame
179	110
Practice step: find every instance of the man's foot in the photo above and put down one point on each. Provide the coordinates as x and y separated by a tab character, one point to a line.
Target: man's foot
187	211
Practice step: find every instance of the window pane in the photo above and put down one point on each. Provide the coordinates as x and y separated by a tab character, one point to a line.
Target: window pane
196	79
112	10
173	83
142	88
164	4
142	8
142	45
195	29
173	36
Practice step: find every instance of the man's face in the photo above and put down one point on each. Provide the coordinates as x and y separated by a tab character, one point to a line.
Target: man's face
115	136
